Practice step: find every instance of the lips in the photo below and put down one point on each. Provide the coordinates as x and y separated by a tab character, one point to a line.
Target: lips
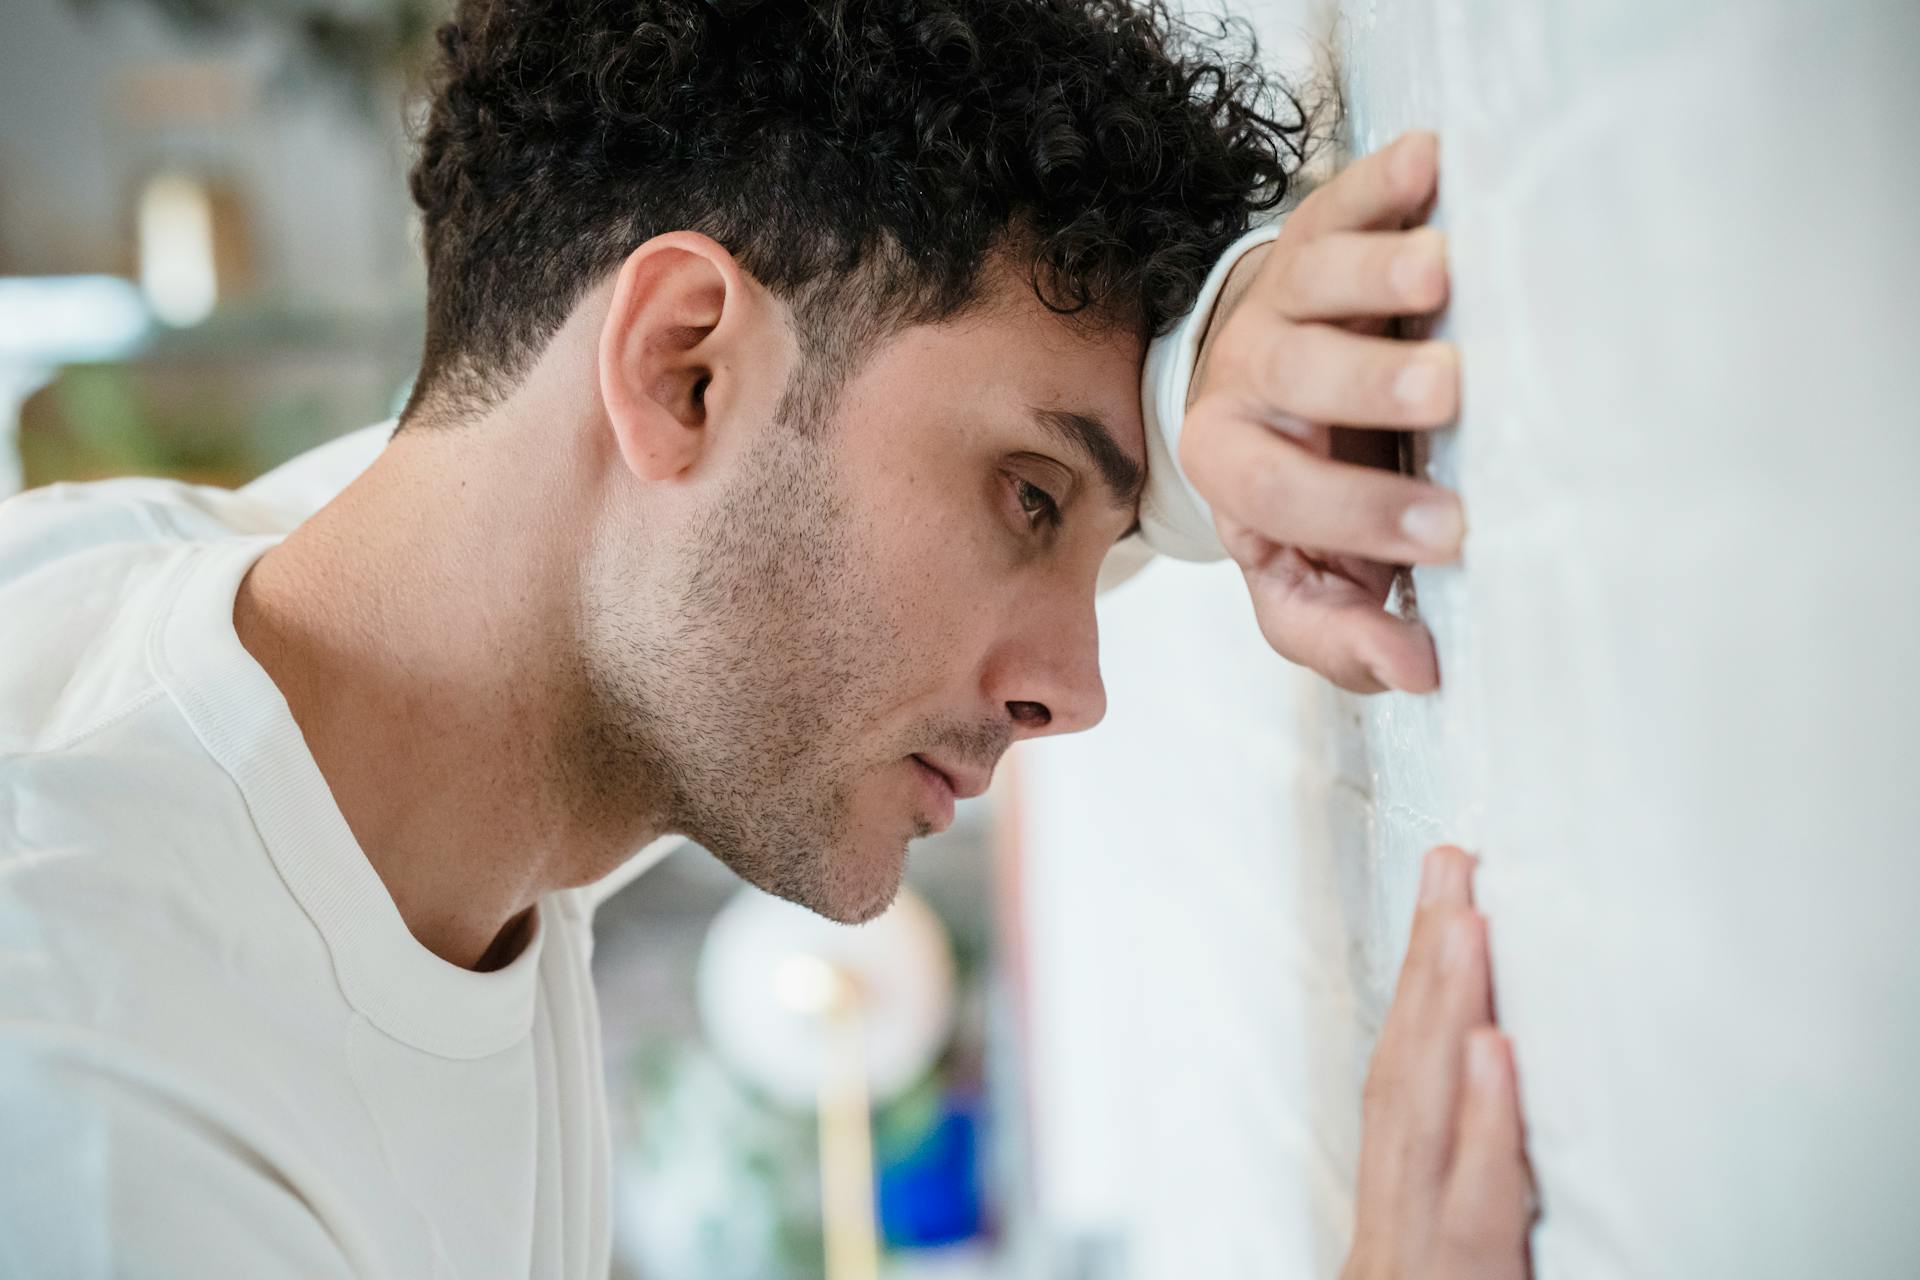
966	783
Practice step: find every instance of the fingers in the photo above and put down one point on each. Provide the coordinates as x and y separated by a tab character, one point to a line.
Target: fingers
1339	628
1442	995
1330	375
1346	275
1443	989
1295	497
1389	188
1444	1189
1300	352
1362	651
1486	1211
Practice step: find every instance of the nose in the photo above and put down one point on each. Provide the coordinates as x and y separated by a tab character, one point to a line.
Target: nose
1047	669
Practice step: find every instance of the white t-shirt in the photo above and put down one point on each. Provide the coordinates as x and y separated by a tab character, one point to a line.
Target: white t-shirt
222	1053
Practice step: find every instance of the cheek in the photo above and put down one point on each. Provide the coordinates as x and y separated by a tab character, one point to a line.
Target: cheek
935	569
937	579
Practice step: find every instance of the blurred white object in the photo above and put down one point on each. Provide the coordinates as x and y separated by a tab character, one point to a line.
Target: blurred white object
175	231
48	321
763	961
817	1012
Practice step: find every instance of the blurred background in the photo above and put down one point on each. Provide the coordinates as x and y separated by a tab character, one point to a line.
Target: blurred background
205	253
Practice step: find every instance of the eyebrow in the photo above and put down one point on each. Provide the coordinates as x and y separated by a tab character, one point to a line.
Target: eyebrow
1088	435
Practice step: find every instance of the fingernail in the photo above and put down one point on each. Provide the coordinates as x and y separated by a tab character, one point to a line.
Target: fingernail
1430	875
1417	384
1434	524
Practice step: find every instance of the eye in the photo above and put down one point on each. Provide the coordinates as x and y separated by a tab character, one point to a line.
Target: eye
1036	503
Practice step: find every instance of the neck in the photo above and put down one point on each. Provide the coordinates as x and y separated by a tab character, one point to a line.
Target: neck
422	627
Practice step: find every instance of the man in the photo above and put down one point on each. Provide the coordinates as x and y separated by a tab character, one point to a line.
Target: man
780	405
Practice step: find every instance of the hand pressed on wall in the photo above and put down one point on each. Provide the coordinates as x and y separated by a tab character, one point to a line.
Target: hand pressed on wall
1297	351
1444	1192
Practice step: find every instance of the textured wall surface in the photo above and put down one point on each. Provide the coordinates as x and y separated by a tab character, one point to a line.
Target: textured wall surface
1680	706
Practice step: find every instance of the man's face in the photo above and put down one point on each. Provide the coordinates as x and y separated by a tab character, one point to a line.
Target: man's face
876	606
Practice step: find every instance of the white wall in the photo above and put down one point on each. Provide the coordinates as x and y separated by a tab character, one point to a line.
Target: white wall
1192	1011
1680	699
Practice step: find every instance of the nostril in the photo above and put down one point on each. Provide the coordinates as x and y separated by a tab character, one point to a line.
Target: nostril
1031	715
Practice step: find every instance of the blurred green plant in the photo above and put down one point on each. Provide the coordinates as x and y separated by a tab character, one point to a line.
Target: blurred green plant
99	420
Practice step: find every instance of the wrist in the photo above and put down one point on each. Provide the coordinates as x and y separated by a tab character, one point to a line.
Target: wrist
1233	292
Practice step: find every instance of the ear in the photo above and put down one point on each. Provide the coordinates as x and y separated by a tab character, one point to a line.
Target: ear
679	302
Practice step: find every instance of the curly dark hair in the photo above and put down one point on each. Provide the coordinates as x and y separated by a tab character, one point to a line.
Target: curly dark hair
861	158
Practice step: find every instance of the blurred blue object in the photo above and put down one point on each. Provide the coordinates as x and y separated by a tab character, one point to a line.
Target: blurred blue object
930	1192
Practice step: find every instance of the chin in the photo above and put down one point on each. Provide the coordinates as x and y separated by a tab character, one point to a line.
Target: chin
849	875
863	885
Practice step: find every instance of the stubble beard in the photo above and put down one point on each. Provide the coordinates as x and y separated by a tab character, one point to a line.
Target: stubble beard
731	707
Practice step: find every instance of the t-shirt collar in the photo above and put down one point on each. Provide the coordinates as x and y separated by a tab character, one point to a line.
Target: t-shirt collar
244	723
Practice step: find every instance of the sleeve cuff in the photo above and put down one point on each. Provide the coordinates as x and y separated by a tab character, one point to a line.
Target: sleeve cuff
1174	518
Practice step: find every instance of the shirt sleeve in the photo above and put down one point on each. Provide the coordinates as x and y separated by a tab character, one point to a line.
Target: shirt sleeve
1174	518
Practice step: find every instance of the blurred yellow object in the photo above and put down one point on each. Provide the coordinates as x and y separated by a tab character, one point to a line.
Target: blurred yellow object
816	988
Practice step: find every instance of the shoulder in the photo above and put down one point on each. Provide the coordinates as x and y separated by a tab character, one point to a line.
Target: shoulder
84	573
79	606
85	570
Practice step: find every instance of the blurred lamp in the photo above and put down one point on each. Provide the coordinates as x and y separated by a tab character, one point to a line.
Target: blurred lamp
832	1017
